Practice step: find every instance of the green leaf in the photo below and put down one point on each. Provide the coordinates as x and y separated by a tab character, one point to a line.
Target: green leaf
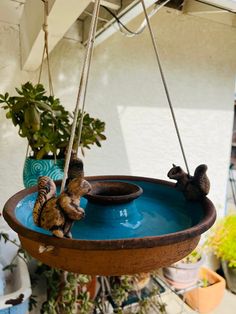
41	153
8	115
43	106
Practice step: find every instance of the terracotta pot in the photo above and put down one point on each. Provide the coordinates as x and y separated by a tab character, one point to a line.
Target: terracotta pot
182	275
230	276
91	287
141	281
206	299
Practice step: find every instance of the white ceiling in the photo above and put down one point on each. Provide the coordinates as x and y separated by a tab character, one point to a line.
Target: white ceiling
11	10
228	4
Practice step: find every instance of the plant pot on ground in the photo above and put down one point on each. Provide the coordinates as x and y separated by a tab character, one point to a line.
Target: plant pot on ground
210	293
46	125
185	272
221	242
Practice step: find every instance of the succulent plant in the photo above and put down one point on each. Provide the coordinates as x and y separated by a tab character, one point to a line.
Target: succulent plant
45	122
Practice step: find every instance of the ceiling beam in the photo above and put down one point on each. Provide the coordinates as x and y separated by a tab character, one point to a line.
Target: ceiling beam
127	14
207	11
10	11
111	4
62	14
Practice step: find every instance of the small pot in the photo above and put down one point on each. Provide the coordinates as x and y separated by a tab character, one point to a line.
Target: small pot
182	275
141	281
34	168
230	275
206	299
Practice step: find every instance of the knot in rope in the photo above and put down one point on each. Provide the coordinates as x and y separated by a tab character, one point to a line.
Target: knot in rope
45	27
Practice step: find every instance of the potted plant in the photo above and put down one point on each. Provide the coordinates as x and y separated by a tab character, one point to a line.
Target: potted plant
47	126
185	272
209	294
222	242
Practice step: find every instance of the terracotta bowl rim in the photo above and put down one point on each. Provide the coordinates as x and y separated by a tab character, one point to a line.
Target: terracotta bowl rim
131	243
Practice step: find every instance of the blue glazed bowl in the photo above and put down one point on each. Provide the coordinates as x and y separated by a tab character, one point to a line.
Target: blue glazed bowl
113	204
149	230
34	168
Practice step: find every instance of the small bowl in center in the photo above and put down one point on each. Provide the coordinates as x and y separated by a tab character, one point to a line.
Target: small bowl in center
113	192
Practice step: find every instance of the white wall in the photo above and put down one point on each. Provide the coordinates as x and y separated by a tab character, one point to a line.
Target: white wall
199	62
125	90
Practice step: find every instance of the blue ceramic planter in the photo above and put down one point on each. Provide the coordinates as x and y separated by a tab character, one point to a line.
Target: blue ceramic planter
34	168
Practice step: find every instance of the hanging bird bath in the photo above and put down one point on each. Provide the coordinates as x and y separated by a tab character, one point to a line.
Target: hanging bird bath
131	225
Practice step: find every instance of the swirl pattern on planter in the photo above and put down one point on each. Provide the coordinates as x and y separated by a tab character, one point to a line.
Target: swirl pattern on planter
44	167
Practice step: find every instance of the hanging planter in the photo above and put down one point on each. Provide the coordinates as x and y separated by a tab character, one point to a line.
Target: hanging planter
46	125
128	234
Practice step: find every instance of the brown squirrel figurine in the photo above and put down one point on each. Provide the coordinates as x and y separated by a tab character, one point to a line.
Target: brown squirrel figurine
193	187
57	214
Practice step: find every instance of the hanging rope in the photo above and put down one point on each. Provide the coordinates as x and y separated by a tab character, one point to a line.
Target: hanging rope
165	85
46	50
82	89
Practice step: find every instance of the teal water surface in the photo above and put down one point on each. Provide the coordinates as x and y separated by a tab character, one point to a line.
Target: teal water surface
158	211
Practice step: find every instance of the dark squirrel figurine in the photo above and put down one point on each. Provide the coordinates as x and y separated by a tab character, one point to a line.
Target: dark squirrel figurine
193	187
57	213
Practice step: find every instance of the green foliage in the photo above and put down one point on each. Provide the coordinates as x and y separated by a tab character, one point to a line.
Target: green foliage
120	288
222	240
66	293
45	122
205	283
193	257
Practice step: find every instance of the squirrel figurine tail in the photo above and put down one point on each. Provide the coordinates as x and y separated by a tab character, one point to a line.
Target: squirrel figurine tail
193	187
